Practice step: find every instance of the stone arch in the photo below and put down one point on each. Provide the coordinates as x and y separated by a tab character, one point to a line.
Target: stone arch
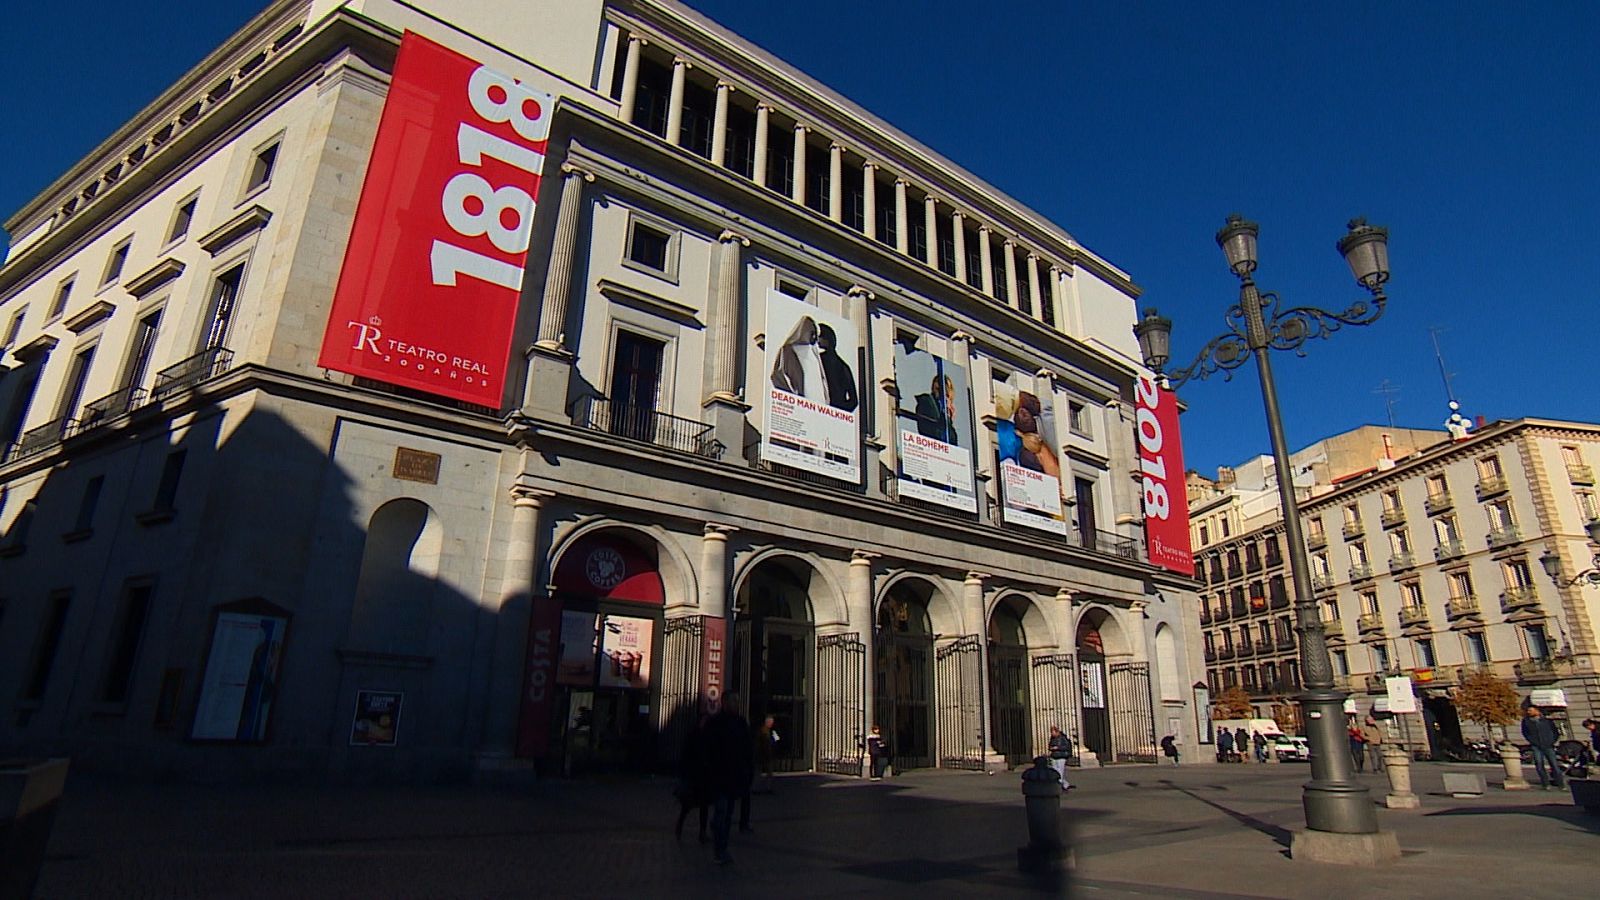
1104	621
944	612
822	588
678	581
400	560
1036	632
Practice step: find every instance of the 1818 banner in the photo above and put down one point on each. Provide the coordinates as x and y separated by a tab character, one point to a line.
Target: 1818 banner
427	296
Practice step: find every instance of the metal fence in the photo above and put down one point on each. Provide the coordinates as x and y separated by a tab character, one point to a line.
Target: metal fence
641	423
960	697
679	710
1133	736
841	674
1054	684
1009	720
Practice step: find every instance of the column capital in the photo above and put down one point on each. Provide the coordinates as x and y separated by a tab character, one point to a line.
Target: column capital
870	164
889	385
863	557
984	230
1011	244
718	532
1033	257
726	85
1137	606
836	147
637	39
901	182
528	495
1048	374
680	61
977	578
801	127
864	293
962	336
931	199
733	237
571	169
957	214
1066	594
1056	271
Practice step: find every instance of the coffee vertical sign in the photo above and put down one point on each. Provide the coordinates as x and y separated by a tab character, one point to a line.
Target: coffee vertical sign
1166	503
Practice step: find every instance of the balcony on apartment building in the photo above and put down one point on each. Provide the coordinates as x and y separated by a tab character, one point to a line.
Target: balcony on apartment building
1321	583
1461	607
1316	541
1437	503
1537	671
1503	536
1353	530
1361	572
1402	561
1491	485
1518	598
1370	623
1448	550
1393	517
1411	616
1580	474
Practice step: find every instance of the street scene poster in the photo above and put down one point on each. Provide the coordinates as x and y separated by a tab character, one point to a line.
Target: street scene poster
933	420
1030	470
811	397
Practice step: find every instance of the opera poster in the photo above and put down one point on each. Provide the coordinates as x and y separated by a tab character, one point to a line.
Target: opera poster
933	423
576	663
811	390
625	644
241	678
1030	470
1094	686
377	719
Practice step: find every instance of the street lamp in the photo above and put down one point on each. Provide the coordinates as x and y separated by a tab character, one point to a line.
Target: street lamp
1552	562
1334	802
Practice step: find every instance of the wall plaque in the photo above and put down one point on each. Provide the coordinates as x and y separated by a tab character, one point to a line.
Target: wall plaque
416	465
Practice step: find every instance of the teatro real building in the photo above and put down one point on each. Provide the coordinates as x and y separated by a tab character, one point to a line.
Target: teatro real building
487	389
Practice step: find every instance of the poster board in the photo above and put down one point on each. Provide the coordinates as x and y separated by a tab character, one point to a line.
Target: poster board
810	401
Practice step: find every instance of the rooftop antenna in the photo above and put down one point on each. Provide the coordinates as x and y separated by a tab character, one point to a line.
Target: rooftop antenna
1449	392
1389	390
1457	424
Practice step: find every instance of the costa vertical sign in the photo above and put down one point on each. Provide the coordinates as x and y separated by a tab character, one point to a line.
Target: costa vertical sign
428	293
1166	502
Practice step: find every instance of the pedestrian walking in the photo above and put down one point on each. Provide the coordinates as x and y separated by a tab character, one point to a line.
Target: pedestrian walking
1259	741
1594	736
766	747
1542	735
877	752
1169	748
729	768
692	790
1224	746
1372	734
1241	743
1060	747
1358	746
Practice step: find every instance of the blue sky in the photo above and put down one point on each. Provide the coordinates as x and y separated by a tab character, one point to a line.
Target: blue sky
1469	129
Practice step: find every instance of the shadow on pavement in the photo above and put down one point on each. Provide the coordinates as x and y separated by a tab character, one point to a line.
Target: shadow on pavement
1571	815
1277	832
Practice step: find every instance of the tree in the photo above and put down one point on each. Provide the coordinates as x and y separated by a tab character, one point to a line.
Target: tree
1487	700
1234	703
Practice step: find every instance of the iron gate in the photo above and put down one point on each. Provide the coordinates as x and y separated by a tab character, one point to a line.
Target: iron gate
960	696
1009	725
772	662
902	709
1133	735
1055	700
678	710
841	671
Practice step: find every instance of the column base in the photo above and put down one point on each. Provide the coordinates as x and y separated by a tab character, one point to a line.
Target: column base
1518	785
1402	801
1344	849
549	378
725	413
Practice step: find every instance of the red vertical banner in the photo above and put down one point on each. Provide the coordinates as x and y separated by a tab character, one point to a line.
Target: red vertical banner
713	663
1166	498
427	296
539	678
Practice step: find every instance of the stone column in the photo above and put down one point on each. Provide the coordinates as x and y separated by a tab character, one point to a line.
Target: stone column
519	587
869	200
958	234
1034	294
973	598
1126	477
549	359
930	221
858	306
630	78
719	125
763	117
798	192
961	355
1009	256
836	182
680	74
985	260
858	602
1136	630
714	571
902	223
725	408
1057	297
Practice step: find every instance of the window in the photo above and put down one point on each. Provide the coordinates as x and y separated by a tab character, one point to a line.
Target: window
1078	418
1314	528
1489	468
144	345
780	165
1572	456
1477	648
77	380
1319	565
1205	534
1285	630
1369	603
740	153
853	188
167	487
1233	563
88	503
974	260
44	652
1341	663
119	258
1400	542
1264	633
1438	488
1411	595
819	179
793	288
652	247
1330	610
1517	573
1499	515
1586	504
59	304
1227	527
14	329
261	168
224	296
1538	641
1380	658
652	97
1425	655
1252	556
946	245
917	229
635	385
1444	529
1391	501
125	643
182	218
1352	515
1358	554
699	119
1460	585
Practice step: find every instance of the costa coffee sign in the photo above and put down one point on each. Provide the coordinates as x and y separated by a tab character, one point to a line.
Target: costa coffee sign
428	293
1166	503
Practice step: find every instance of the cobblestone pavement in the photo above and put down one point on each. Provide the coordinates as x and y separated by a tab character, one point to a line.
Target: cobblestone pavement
1139	831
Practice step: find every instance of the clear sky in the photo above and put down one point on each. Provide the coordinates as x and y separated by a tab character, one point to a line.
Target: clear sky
1470	129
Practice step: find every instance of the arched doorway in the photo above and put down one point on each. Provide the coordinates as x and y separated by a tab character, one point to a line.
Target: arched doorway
903	675
773	656
1010	704
1092	683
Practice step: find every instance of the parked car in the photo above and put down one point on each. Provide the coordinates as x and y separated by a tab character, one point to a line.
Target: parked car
1291	748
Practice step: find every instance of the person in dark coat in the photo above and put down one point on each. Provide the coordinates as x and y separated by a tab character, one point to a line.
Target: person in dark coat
1241	744
1169	747
692	791
730	765
1224	745
835	371
1542	735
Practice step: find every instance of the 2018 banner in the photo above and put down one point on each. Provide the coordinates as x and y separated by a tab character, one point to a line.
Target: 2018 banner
427	296
934	426
1166	499
810	397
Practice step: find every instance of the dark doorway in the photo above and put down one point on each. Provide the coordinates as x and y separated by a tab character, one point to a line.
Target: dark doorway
635	385
773	652
1009	707
903	679
1092	685
1083	492
1444	728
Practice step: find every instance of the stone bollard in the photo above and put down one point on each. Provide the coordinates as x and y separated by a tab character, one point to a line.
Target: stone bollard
1041	790
1397	763
1511	758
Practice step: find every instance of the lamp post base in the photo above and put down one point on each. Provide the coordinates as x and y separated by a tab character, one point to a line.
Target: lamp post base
1371	849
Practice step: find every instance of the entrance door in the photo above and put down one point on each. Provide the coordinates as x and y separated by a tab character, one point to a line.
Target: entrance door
1444	728
1083	491
635	385
902	685
1008	703
1096	718
784	693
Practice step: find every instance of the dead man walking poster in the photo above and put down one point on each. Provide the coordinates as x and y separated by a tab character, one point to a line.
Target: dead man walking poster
811	393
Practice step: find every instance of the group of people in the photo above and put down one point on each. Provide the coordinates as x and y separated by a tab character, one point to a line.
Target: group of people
1236	745
1366	740
721	757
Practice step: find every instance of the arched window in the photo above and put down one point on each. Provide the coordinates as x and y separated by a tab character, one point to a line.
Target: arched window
399	565
1167	663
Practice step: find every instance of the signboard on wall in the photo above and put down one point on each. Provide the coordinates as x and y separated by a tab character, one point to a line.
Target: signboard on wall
241	677
933	423
1030	470
539	678
1400	696
1166	504
713	663
427	295
625	657
376	722
811	397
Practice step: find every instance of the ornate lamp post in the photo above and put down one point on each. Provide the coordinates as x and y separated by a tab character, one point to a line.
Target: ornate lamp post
1334	802
1552	562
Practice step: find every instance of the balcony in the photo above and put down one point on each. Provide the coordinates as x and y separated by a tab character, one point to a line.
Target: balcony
1491	485
1352	530
110	407
1518	598
1461	607
1107	542
1246	648
641	423
1413	615
1317	541
202	366
37	440
1580	474
1211	655
1221	614
1536	671
1334	629
1374	683
1205	615
1437	503
1285	642
1225	653
1279	598
1370	623
1361	572
1503	536
1402	561
1448	550
1393	517
1320	583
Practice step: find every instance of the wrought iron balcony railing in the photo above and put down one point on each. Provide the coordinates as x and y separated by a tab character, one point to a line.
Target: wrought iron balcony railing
1413	615
1437	503
1490	485
640	423
1519	597
110	407
1369	623
1459	607
1393	517
1504	536
1448	550
201	367
37	440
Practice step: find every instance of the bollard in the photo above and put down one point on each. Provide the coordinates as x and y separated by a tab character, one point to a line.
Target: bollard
1041	790
1397	763
1511	758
